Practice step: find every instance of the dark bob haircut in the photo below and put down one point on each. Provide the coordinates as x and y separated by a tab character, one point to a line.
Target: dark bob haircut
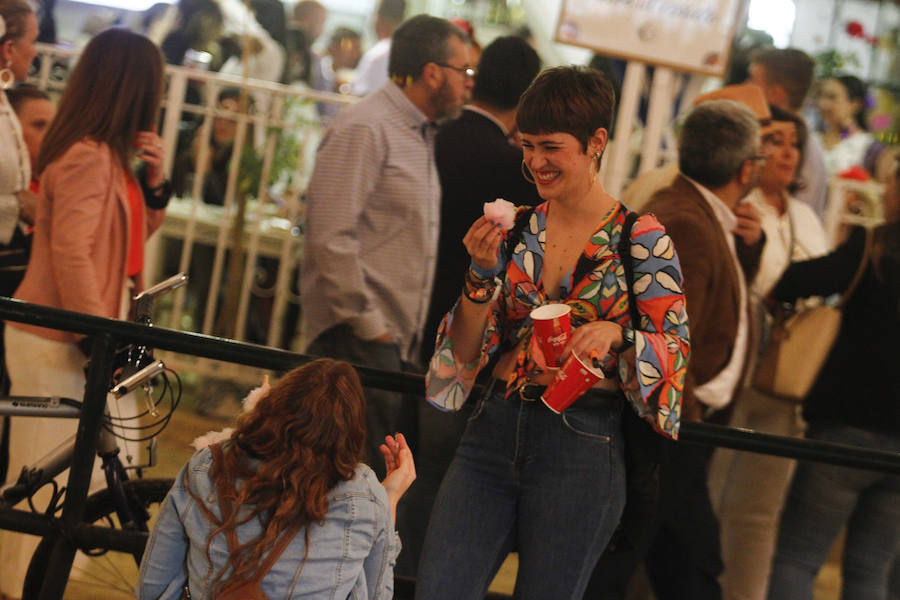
573	100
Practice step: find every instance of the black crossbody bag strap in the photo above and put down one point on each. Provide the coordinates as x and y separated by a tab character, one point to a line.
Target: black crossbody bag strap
644	448
628	263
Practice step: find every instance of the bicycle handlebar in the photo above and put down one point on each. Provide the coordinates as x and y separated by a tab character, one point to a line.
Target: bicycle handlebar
137	379
144	300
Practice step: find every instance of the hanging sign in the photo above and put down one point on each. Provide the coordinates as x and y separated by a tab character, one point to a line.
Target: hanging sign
686	35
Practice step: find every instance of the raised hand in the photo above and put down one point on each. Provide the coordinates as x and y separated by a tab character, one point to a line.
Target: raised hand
150	150
749	226
482	242
399	466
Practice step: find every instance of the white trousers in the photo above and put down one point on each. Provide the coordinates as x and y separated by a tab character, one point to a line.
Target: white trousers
748	492
37	367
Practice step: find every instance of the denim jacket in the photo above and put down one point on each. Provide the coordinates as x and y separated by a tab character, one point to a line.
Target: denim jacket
352	552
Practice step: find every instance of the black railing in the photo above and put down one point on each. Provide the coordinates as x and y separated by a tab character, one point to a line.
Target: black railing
108	334
282	360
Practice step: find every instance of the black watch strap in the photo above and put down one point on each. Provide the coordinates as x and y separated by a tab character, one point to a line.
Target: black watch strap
158	197
627	339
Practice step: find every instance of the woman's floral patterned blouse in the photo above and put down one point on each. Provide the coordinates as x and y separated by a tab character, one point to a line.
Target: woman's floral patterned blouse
651	373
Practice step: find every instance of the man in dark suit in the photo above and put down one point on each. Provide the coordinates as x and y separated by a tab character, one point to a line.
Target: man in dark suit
478	161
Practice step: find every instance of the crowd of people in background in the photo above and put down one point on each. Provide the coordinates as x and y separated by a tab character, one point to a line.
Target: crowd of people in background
673	288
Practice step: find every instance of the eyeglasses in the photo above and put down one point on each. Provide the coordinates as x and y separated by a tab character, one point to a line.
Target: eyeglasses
467	72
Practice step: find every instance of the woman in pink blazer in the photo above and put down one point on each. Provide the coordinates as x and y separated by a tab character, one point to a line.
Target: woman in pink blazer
94	213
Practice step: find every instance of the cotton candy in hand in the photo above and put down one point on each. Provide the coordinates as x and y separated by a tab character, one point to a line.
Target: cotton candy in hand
501	212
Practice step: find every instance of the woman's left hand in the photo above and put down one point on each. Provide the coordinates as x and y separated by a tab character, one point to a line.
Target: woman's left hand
150	150
599	336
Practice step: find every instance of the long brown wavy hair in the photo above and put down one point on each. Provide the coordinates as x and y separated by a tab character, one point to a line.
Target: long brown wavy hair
114	91
300	440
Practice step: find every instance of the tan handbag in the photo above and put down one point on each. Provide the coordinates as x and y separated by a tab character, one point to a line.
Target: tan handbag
800	344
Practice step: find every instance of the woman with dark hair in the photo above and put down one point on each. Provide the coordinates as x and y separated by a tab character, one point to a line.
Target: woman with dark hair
754	485
552	485
853	402
94	213
845	136
292	465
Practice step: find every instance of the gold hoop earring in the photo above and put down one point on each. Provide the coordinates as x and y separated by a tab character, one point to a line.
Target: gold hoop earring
526	172
7	78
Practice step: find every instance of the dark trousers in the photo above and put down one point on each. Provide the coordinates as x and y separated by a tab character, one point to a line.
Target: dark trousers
387	412
439	435
685	559
680	543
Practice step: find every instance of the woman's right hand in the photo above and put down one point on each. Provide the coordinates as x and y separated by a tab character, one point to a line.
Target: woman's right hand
400	469
482	242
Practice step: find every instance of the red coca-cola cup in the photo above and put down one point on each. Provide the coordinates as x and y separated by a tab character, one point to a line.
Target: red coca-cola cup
574	378
552	326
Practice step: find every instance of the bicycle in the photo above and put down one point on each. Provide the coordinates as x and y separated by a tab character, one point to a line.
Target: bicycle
125	504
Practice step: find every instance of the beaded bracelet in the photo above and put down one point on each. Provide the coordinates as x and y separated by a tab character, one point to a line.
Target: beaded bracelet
479	289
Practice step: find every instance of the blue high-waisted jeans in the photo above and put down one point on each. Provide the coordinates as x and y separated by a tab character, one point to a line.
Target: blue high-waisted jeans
550	486
822	499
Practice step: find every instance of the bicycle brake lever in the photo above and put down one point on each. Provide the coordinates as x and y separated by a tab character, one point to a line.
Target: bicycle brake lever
148	398
138	379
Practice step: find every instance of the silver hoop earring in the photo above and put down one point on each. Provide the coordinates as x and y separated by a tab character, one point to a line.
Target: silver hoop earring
596	155
526	173
7	78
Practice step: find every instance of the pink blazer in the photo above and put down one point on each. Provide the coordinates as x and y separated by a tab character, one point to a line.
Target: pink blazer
81	236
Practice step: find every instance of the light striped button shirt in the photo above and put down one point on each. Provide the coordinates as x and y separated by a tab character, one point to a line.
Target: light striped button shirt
371	223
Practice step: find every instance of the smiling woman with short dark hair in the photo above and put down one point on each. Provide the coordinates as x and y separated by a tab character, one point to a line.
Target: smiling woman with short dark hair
552	485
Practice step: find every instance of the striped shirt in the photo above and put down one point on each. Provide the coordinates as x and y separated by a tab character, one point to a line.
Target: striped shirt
372	223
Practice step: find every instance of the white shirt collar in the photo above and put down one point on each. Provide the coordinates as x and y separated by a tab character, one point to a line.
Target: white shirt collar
487	115
724	215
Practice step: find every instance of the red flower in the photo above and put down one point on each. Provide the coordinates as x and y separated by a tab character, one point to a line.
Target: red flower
855	172
855	29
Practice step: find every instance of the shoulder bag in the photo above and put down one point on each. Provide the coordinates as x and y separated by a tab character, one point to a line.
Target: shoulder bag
800	344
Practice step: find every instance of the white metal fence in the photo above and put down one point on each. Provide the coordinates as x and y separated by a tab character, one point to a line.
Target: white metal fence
241	252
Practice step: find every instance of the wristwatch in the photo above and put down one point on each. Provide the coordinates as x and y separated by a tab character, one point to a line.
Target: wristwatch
627	339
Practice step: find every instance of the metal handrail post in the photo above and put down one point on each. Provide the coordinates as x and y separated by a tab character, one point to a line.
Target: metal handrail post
98	376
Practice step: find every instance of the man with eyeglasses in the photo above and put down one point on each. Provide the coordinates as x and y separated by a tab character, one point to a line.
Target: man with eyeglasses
372	218
477	163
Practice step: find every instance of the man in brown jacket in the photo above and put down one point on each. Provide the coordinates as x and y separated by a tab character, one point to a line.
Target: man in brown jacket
719	242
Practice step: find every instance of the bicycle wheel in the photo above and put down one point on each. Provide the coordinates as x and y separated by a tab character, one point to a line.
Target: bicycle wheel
110	575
